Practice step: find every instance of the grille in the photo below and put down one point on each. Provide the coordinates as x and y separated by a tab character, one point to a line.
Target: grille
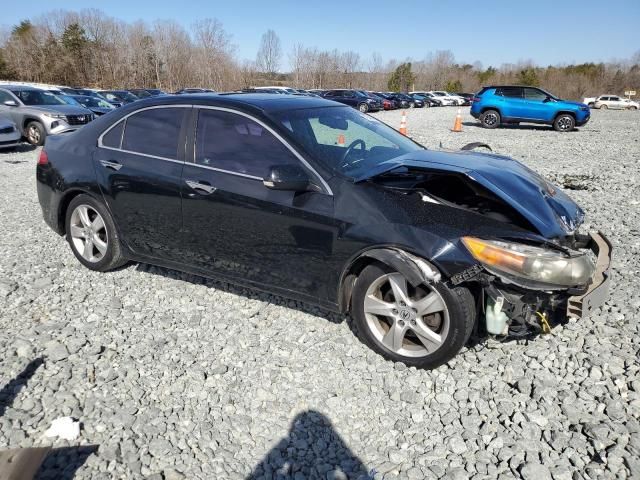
78	119
6	130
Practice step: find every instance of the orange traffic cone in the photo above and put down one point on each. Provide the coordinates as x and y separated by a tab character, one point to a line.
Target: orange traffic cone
403	123
457	125
341	140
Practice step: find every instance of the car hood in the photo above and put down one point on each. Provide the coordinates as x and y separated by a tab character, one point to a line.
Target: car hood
575	104
60	109
543	204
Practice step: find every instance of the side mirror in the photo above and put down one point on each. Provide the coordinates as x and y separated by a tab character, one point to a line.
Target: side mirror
10	103
287	177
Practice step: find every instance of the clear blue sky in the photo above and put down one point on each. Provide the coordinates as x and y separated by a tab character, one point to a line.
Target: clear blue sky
491	31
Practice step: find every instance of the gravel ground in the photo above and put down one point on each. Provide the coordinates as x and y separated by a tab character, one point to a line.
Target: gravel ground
173	376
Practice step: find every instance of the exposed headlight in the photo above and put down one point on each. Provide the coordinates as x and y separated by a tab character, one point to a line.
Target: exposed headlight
56	115
537	264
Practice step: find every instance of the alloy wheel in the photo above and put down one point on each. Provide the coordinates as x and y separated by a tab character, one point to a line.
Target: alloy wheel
409	321
363	108
565	123
88	233
33	134
490	119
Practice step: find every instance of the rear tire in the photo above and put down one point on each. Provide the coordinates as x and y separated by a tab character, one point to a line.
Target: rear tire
35	133
633	107
603	107
564	123
92	235
490	119
423	341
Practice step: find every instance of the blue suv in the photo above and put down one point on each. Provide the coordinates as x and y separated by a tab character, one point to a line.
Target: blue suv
498	105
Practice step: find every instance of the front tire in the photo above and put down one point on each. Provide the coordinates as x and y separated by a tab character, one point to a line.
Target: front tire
490	119
36	133
92	234
363	107
564	123
422	326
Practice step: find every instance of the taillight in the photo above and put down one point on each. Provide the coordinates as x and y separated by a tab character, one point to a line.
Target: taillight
44	158
475	99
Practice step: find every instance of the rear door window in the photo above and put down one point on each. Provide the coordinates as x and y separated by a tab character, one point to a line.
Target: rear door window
154	132
511	92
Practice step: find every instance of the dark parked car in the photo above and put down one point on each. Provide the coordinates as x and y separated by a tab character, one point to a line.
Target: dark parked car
402	101
147	92
120	96
427	101
387	104
256	189
194	90
468	97
354	98
96	105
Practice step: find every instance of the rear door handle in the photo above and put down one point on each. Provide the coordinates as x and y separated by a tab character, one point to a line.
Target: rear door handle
200	187
112	165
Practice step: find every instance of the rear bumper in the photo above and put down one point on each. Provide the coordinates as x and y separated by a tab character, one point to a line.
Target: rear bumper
580	306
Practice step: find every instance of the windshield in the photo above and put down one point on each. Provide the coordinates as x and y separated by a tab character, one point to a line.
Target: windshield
38	97
70	100
94	102
345	140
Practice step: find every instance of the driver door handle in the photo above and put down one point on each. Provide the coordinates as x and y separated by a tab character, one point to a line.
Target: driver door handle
111	165
200	187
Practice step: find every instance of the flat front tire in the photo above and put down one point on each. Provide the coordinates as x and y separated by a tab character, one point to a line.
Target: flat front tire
423	326
92	234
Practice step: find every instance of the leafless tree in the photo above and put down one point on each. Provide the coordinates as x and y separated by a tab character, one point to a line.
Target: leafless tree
269	53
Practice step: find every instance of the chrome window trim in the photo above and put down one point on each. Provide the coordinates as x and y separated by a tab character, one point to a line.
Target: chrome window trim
124	119
323	183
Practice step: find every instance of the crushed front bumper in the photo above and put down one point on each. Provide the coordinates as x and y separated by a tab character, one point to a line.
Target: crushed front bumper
582	305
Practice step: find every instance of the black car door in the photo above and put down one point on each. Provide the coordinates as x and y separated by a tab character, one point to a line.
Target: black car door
235	225
139	164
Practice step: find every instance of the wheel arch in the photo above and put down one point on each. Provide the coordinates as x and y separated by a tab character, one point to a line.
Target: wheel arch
486	109
417	270
565	112
66	199
27	120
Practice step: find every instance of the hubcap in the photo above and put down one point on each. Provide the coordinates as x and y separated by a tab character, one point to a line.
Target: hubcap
363	108
88	233
490	119
412	322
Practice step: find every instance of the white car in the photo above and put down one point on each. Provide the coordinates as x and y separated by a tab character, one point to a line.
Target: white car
9	134
447	98
615	101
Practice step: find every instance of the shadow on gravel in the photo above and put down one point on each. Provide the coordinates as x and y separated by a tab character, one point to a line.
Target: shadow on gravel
63	463
246	292
22	148
528	126
11	390
311	450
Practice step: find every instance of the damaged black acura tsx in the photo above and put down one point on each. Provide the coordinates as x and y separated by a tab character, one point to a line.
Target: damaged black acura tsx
315	201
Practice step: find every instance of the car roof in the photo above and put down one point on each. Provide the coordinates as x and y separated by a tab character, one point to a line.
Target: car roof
243	101
21	88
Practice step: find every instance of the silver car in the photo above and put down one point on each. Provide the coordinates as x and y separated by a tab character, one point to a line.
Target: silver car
39	113
9	134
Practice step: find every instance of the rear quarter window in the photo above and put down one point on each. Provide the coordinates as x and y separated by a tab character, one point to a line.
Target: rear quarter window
154	132
113	138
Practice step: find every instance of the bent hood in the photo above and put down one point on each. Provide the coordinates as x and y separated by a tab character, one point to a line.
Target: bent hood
543	204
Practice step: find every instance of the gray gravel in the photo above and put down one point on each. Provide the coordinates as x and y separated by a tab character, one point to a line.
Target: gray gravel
173	376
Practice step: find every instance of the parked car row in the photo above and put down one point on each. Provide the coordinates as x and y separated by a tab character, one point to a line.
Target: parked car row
611	101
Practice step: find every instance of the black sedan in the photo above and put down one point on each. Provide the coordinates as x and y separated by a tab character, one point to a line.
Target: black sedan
95	104
355	98
313	200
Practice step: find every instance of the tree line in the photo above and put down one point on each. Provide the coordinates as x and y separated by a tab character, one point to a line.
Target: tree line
90	48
